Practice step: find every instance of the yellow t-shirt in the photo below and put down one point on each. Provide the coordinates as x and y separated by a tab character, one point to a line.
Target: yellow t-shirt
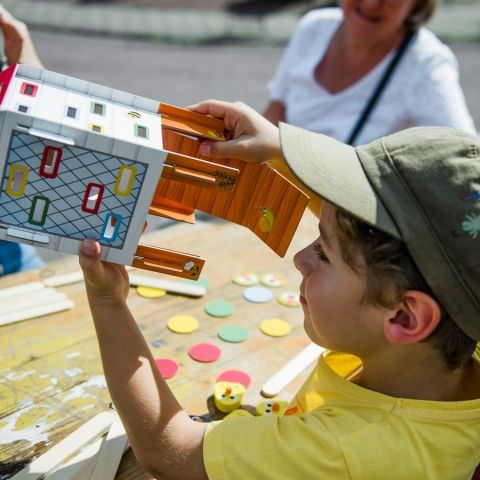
343	431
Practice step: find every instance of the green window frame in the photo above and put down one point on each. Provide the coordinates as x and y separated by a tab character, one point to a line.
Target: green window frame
98	108
141	131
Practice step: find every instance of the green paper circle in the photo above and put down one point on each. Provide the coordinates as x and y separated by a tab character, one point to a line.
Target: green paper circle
201	282
219	308
233	333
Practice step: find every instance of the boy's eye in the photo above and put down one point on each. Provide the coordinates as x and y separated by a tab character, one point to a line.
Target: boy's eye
320	253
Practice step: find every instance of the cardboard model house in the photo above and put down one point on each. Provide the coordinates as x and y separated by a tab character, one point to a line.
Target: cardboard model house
79	160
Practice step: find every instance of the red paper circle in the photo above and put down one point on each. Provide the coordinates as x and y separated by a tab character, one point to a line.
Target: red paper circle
168	368
204	352
236	376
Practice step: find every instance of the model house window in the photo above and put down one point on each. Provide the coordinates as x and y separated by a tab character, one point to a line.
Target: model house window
93	197
98	108
17	180
29	89
22	109
111	227
50	161
141	131
96	128
38	210
72	112
124	182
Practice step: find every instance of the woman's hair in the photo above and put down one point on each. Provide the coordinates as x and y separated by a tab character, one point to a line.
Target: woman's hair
390	272
421	13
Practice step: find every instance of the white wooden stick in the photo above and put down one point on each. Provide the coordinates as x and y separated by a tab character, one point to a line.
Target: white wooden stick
19	289
81	465
66	279
34	312
168	285
111	452
24	302
291	370
40	467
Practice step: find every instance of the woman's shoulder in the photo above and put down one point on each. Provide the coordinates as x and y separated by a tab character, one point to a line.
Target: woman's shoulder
427	48
321	16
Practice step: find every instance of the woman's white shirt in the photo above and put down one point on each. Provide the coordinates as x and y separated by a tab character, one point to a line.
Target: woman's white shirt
424	90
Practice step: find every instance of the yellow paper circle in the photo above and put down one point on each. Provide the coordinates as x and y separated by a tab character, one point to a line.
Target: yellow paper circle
275	327
182	324
149	292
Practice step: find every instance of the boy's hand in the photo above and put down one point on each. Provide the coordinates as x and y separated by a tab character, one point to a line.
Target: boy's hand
254	137
105	281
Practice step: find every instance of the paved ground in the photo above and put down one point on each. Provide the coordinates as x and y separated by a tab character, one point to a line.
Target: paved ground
186	74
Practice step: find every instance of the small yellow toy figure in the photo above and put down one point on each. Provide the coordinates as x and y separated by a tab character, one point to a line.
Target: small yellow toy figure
228	396
271	408
240	412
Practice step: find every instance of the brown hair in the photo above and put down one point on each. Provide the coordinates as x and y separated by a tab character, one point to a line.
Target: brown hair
421	13
390	272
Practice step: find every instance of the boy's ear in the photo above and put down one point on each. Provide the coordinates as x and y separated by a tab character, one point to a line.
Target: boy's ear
415	320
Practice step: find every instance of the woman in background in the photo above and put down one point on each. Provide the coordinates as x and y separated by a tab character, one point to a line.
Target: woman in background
337	58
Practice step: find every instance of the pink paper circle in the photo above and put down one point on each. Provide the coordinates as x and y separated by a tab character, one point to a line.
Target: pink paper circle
168	368
235	376
204	352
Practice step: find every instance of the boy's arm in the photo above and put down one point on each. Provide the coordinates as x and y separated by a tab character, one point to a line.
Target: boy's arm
164	438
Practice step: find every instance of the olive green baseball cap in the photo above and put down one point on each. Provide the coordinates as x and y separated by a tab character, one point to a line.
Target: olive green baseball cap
421	185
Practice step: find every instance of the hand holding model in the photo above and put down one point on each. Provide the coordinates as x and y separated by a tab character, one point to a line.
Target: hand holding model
254	138
109	281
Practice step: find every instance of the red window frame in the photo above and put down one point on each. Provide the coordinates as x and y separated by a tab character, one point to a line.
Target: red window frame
98	201
45	157
24	86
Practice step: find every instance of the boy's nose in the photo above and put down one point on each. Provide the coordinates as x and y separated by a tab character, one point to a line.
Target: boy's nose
302	260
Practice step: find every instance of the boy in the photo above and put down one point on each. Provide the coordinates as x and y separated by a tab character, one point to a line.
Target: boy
403	401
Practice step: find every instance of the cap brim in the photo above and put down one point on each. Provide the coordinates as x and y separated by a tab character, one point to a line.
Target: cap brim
333	170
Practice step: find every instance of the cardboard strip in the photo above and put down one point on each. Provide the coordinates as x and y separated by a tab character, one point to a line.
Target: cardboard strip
54	457
168	285
111	452
34	312
291	370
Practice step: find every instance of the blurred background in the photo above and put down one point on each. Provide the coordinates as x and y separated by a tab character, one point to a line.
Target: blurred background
182	51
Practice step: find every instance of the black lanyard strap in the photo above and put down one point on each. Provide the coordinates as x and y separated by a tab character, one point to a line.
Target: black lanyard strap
373	100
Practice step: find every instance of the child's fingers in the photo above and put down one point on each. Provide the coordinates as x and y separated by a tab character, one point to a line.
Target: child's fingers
90	260
237	149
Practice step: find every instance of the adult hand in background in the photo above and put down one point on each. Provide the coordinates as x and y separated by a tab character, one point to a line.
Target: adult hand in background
18	44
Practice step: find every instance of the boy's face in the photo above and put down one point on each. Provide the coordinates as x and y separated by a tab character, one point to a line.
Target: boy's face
332	294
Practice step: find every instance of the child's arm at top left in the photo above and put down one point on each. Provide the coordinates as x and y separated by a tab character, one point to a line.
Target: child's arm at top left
164	438
18	44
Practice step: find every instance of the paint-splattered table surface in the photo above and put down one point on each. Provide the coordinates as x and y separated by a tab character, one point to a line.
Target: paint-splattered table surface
51	379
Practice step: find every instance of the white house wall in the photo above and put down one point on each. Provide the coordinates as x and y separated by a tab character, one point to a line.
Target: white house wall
56	92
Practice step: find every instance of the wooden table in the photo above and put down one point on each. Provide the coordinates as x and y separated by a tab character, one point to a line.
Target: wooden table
51	379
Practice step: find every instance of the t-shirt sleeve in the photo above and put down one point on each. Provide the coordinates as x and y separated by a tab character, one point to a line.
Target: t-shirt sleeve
298	43
271	447
436	97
